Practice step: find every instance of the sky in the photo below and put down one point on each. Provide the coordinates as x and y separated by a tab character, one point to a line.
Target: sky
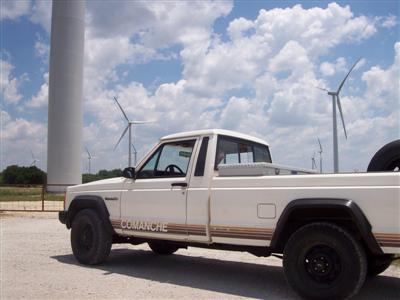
249	66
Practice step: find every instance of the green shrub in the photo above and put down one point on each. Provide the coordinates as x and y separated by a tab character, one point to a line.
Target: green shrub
23	175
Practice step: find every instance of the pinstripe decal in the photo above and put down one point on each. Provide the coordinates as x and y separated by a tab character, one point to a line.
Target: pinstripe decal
255	233
388	239
242	232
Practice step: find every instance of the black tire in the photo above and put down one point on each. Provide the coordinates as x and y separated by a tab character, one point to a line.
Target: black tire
323	261
386	159
378	264
163	248
90	240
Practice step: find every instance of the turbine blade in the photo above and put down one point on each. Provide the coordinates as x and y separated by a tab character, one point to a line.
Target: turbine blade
87	151
122	135
323	89
342	83
134	149
120	107
341	114
33	156
142	122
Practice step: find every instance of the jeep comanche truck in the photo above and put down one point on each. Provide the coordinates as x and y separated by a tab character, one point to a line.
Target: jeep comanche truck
331	230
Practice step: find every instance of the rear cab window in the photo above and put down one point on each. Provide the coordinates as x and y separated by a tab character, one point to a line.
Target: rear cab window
232	150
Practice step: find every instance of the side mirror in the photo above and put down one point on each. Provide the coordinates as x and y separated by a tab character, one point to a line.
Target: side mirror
129	172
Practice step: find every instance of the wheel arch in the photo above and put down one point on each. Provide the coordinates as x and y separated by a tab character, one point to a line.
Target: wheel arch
89	202
343	212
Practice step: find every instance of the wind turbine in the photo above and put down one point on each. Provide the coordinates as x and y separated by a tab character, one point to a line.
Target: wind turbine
134	155
34	159
313	164
320	156
89	157
336	101
128	127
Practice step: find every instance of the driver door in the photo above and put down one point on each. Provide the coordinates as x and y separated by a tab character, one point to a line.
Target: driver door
154	203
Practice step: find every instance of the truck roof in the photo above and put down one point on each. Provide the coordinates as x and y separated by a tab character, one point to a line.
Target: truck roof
215	132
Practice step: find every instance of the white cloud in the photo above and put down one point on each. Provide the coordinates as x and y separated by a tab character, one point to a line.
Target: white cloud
316	29
42	49
19	137
41	98
388	21
383	85
41	14
238	27
157	24
14	9
10	84
329	69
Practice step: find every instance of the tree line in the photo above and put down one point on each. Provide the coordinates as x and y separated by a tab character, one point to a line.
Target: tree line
33	175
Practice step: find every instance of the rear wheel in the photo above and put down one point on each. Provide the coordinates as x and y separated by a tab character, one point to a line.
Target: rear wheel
163	248
90	240
323	261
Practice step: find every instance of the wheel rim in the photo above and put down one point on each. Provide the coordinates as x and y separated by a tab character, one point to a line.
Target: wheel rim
322	264
86	237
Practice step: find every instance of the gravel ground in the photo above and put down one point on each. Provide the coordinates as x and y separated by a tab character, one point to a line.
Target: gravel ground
36	263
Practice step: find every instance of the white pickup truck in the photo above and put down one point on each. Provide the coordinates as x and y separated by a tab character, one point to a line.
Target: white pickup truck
219	189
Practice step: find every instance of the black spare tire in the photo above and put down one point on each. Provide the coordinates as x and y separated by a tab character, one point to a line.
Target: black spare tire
386	159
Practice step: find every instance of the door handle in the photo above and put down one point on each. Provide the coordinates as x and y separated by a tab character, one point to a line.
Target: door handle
182	184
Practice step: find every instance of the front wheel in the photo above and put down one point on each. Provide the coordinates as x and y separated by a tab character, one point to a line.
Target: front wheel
90	240
323	261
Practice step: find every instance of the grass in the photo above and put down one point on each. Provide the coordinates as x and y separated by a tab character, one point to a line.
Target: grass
26	194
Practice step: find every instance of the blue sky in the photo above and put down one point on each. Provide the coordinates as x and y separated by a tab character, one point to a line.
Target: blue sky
250	66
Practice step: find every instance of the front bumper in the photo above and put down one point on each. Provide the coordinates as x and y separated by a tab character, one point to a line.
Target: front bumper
63	216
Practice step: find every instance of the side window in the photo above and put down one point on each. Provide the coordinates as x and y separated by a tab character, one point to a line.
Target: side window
227	152
246	154
261	154
171	160
236	151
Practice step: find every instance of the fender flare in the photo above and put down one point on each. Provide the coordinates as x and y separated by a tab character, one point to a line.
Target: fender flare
89	202
350	208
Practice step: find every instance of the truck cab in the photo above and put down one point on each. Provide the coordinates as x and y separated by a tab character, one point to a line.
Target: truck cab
171	185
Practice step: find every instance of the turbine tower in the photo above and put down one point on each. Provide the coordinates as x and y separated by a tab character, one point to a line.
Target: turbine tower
336	101
34	159
134	155
313	164
128	127
320	156
65	118
89	158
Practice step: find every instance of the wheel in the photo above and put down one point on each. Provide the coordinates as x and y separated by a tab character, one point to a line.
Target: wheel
162	248
90	241
386	159
378	264
323	261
